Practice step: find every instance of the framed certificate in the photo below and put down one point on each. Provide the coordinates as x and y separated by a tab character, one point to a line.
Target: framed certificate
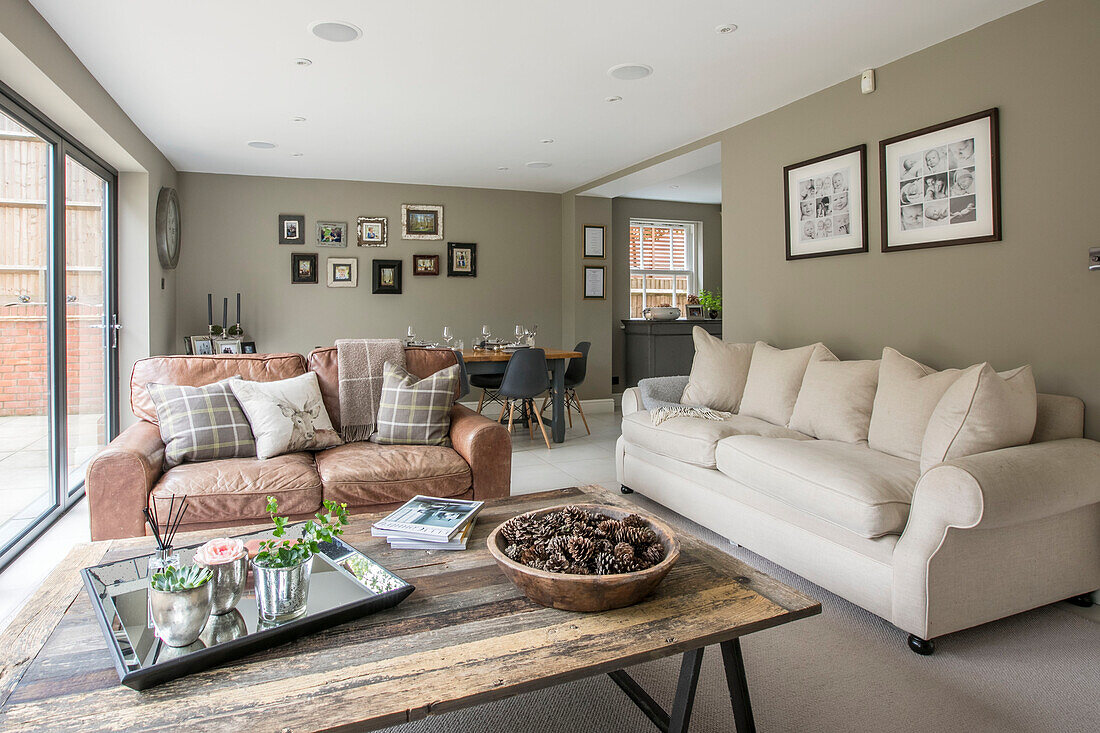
593	241
593	282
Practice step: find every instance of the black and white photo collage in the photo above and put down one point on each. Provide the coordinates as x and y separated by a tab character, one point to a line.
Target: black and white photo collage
824	206
938	186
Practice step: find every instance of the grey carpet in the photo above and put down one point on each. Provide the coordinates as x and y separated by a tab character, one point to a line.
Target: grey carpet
845	670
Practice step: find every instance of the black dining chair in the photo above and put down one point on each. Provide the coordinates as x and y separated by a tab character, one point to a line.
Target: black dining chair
525	378
488	384
573	378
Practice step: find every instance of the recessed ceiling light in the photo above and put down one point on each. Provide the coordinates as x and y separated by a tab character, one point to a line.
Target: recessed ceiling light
725	28
296	155
630	72
336	31
261	144
297	118
546	140
614	99
674	186
539	164
303	62
502	167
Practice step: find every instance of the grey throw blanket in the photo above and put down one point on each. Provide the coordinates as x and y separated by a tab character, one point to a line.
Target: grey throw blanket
661	391
661	414
360	370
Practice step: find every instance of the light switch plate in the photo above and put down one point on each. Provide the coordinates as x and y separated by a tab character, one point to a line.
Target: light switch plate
1094	258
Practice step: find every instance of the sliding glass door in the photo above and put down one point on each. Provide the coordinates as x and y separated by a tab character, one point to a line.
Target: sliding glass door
57	309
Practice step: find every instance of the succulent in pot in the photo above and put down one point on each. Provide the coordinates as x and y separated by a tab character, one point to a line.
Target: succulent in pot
227	559
180	600
282	567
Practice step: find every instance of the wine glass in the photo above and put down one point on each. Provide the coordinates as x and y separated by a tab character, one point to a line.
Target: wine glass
448	337
485	332
520	333
410	334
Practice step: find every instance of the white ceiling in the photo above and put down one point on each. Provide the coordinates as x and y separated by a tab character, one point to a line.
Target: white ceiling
444	92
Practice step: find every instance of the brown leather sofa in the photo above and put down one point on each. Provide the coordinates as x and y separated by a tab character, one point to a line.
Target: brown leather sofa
128	474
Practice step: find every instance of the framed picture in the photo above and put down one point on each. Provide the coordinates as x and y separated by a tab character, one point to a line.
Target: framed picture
827	204
343	272
421	221
942	185
201	346
332	234
695	311
386	276
372	231
593	282
461	260
425	265
303	268
292	229
593	241
227	346
248	347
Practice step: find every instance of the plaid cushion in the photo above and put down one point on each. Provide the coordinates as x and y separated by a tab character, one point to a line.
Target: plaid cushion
201	423
415	411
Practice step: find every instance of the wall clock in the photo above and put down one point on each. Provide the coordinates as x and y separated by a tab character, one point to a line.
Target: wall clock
168	228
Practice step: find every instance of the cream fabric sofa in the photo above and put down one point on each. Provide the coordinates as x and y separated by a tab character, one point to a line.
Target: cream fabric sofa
969	541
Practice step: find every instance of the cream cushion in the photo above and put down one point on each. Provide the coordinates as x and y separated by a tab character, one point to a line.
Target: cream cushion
847	484
983	410
718	372
836	399
908	392
692	439
775	376
286	416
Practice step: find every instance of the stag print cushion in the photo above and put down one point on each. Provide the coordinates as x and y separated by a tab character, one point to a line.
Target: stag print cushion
201	423
415	411
286	416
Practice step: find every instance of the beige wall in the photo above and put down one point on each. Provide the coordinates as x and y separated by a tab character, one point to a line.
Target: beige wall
1027	299
623	210
591	317
230	232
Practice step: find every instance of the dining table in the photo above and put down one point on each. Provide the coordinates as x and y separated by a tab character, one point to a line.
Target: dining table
486	361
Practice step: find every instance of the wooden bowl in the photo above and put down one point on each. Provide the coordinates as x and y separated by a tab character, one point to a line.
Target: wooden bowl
588	592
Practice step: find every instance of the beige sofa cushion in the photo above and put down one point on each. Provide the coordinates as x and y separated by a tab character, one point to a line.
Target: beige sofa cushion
836	399
775	376
718	372
848	484
692	439
908	392
983	410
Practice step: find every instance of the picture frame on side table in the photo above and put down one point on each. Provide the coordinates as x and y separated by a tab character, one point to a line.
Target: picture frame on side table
343	272
425	265
227	346
461	259
332	234
941	185
826	204
248	347
695	311
594	241
371	231
421	221
303	268
594	282
201	346
292	229
386	277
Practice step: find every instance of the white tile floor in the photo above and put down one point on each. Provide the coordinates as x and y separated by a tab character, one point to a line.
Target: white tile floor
581	459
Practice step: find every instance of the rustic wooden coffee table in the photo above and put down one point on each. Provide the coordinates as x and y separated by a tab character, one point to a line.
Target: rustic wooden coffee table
465	636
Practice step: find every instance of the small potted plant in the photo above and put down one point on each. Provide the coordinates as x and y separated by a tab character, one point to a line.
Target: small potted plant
180	599
711	302
282	567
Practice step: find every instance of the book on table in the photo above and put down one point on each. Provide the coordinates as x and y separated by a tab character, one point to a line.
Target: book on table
428	519
458	543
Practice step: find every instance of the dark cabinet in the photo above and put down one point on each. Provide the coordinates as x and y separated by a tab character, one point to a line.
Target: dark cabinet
661	348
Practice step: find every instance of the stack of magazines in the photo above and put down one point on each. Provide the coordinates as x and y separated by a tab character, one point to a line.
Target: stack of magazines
428	523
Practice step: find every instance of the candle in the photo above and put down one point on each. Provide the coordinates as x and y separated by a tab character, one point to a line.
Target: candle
225	313
238	307
209	309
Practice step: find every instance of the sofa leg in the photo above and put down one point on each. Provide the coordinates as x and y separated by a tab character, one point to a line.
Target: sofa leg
921	646
626	490
1084	600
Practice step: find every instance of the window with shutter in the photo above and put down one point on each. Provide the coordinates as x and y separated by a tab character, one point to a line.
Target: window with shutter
664	264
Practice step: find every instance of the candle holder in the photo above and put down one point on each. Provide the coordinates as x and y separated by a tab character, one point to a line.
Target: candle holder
235	331
214	330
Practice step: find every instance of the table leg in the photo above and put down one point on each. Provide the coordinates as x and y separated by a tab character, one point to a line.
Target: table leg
557	369
739	688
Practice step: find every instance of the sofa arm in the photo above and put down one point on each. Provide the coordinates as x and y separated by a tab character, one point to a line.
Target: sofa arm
996	533
632	401
487	447
119	479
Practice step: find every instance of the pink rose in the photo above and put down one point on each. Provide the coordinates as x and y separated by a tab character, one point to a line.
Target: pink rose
219	551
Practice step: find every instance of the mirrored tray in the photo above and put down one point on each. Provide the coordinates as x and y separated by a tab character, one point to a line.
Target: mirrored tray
345	584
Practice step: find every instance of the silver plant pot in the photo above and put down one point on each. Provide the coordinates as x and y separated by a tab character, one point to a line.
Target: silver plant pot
180	616
229	583
282	593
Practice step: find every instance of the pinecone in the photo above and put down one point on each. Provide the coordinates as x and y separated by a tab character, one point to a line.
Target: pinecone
631	535
581	548
532	555
557	563
624	551
557	544
609	527
633	520
511	530
513	551
654	553
604	564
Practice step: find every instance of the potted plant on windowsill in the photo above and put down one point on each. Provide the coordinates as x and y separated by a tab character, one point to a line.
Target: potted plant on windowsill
711	302
282	567
180	601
